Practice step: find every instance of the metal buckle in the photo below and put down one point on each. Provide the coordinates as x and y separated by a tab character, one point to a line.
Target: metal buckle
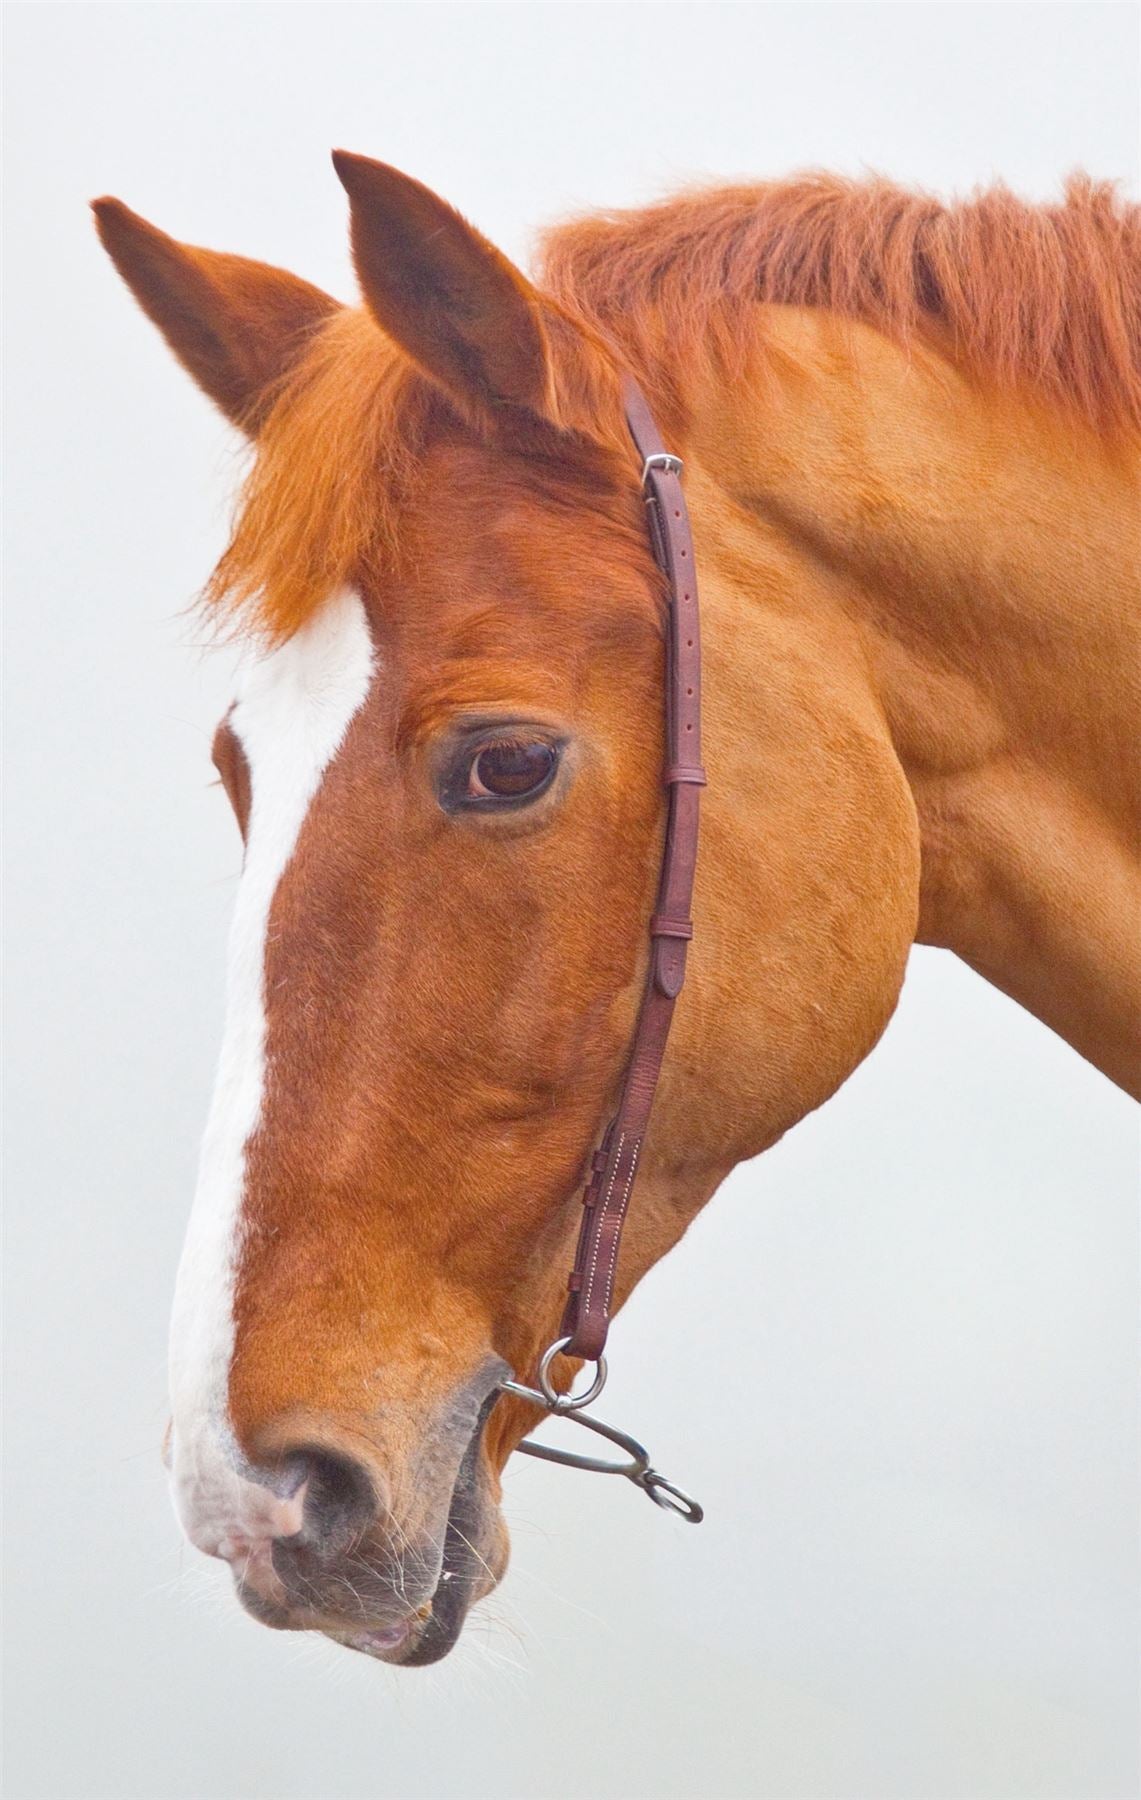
637	1468
663	460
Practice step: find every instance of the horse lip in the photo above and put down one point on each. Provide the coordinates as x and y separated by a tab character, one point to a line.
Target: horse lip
384	1642
442	1626
448	1608
423	1637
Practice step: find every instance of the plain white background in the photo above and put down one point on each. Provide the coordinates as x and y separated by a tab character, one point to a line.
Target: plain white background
903	1378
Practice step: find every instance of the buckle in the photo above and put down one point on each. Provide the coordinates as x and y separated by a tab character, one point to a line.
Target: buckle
662	461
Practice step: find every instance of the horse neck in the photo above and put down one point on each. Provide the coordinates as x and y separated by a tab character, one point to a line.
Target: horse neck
968	560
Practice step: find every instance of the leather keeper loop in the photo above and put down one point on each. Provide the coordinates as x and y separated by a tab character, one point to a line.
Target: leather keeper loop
670	928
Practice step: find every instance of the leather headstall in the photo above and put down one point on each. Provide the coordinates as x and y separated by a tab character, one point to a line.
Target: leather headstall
614	1165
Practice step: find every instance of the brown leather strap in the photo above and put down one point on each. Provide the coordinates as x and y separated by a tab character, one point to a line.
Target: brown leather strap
614	1165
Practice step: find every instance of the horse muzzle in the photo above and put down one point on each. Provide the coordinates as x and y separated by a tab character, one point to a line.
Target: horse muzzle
382	1539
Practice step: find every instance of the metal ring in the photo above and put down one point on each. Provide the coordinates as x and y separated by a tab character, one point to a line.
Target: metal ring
663	1493
568	1403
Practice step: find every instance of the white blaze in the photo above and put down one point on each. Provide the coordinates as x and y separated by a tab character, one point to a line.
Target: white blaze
293	710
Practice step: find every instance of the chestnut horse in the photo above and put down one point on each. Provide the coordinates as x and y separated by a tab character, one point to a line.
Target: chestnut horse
910	436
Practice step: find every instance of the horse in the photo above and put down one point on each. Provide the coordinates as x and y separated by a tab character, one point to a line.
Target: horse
909	432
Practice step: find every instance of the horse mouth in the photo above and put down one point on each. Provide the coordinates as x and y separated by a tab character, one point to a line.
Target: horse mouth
428	1634
425	1637
431	1633
428	1637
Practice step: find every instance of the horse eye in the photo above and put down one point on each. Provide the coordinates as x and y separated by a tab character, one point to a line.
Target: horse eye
513	771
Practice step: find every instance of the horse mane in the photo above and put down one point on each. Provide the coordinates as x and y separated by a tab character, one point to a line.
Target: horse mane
1046	297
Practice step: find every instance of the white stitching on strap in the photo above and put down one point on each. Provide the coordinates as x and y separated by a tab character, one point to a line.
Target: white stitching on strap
584	1305
617	1235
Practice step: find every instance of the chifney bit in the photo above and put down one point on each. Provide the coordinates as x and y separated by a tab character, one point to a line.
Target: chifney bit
614	1165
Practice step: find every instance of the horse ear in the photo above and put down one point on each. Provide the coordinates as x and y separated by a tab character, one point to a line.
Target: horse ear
448	297
236	325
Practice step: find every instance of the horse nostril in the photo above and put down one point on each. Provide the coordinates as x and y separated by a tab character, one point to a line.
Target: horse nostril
340	1499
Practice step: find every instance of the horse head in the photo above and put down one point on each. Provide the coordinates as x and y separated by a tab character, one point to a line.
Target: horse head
445	756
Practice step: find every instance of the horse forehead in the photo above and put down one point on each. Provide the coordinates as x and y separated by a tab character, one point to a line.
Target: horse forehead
293	703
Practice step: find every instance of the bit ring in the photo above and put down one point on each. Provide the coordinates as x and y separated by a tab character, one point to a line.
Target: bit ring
568	1403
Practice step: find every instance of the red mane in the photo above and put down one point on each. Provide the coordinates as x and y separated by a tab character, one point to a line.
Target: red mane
1045	297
